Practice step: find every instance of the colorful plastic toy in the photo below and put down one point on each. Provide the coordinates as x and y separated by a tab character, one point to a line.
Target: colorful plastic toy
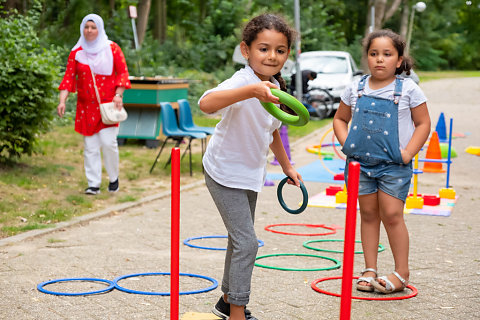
473	150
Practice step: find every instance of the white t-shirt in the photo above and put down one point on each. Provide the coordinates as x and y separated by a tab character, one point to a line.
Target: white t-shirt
412	96
236	154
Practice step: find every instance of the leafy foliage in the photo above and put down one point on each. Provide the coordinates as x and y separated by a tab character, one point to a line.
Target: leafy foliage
201	37
27	81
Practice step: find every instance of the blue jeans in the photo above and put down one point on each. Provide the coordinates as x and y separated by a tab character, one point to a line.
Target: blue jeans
393	179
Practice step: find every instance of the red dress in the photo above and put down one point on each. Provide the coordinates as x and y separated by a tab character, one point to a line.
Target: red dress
78	76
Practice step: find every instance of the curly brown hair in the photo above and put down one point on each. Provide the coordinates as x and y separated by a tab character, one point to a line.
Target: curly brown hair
399	44
275	22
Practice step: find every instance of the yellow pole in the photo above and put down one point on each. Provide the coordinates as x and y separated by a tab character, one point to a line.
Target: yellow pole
414	202
415	178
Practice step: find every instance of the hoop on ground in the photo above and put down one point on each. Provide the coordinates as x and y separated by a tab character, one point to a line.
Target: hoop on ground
282	202
332	230
117	286
299	120
334	149
334	145
41	286
305	244
314	287
187	242
336	266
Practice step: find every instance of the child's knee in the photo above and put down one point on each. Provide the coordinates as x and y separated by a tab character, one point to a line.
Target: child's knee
392	217
253	246
369	212
250	247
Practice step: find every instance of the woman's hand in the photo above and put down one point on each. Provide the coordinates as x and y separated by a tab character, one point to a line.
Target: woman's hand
61	104
118	101
61	109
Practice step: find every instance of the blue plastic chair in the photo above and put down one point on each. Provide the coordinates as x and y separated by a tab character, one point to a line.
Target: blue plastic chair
185	120
171	131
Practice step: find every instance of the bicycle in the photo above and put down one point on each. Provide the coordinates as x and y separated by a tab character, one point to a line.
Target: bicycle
319	102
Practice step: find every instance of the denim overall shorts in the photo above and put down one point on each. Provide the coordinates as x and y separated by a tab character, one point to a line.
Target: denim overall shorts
373	141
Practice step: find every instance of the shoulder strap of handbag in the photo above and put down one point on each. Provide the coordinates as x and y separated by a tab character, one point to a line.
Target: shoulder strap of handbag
95	85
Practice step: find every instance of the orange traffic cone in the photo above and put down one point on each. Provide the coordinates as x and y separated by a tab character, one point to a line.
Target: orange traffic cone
433	153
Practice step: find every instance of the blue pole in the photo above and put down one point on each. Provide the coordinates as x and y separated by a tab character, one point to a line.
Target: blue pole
449	152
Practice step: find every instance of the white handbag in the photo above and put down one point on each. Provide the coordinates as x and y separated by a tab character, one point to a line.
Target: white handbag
110	114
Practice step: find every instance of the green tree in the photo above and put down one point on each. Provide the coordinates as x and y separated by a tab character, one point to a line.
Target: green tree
27	84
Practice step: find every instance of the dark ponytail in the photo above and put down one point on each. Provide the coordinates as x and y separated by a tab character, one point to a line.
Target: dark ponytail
406	66
283	87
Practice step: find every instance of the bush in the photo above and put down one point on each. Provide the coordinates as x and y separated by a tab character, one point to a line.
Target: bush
27	85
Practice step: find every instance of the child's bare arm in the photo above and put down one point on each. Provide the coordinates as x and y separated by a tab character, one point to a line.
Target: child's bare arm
220	99
340	122
421	119
279	151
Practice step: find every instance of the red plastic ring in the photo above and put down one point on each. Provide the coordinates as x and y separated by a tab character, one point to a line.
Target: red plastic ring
333	230
335	148
314	287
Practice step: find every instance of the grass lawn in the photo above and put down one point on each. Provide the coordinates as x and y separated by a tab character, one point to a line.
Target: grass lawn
435	75
47	188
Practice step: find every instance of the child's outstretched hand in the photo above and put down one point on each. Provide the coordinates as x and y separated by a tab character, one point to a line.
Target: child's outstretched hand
293	174
262	92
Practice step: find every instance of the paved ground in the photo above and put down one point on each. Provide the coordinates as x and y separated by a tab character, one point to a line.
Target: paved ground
445	255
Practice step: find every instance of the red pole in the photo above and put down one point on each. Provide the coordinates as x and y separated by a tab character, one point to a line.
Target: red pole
175	235
349	243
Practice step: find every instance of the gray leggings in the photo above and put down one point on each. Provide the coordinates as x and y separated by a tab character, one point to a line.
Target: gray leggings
237	208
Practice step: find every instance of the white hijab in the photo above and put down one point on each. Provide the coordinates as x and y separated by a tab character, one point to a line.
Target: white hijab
96	53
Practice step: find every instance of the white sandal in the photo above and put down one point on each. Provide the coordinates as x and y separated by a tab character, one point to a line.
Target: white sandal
361	287
389	286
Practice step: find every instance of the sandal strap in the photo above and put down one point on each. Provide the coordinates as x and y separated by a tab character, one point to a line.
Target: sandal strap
364	279
367	270
389	286
400	278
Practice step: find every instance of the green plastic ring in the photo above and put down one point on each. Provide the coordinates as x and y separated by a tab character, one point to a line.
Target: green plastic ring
299	120
336	266
282	202
305	244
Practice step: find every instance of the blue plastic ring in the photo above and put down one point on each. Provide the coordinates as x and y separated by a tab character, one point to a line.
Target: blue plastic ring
187	242
282	203
110	287
117	286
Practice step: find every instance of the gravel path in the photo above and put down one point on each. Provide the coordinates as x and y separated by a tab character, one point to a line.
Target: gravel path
445	255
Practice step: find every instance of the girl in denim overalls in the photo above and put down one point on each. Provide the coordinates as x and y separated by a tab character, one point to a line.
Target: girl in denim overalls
390	124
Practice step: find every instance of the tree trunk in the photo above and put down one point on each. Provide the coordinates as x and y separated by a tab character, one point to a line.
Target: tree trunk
112	7
383	12
391	10
160	30
404	19
202	8
142	21
380	7
20	5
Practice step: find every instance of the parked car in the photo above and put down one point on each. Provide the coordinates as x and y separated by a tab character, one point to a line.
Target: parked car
335	70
